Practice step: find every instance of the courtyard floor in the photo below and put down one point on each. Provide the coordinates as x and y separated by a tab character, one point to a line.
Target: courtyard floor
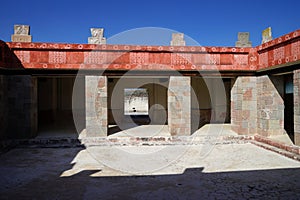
222	171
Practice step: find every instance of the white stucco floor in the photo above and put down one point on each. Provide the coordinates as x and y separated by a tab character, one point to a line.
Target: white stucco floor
211	130
223	171
163	130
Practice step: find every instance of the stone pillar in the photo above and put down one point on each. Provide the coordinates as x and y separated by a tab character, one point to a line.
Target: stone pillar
19	98
256	107
243	40
270	108
179	106
34	107
96	106
3	107
244	106
177	39
97	36
21	34
297	107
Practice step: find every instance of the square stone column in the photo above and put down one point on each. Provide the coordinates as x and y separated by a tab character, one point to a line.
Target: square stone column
256	107
96	106
179	106
270	108
18	99
244	106
297	107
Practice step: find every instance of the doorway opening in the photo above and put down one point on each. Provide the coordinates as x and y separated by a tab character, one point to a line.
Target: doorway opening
136	101
136	105
211	101
284	85
289	106
55	118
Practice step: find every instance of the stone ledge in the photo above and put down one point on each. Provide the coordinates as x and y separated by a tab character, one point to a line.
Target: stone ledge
290	151
122	141
6	145
283	152
158	141
289	148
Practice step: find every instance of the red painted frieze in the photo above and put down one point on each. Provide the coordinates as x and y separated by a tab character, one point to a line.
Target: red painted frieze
281	51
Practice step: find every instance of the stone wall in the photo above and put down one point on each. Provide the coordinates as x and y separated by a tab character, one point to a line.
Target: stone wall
18	99
96	106
3	107
297	107
179	105
244	106
256	107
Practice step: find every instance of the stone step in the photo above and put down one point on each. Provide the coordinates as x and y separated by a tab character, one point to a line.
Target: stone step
287	147
167	140
50	143
282	151
122	141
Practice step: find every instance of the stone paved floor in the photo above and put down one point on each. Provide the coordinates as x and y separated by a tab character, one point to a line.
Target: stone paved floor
227	171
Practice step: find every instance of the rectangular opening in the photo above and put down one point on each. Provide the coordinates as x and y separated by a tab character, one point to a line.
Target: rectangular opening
289	105
136	101
55	113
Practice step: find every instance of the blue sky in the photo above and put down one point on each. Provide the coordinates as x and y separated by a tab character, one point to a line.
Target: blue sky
210	23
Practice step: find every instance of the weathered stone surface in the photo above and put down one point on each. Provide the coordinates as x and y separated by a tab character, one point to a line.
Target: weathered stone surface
96	106
267	35
270	108
21	38
97	32
18	103
3	106
177	39
256	107
243	40
21	30
97	36
21	34
232	171
297	107
179	105
244	105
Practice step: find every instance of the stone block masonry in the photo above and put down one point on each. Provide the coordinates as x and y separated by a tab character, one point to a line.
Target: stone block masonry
18	99
96	106
256	107
297	107
3	106
270	108
244	105
179	105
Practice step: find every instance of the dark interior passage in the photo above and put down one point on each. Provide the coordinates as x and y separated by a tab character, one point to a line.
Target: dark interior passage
289	106
210	101
55	116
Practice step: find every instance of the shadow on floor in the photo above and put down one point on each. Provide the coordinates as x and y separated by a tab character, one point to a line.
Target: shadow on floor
36	174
